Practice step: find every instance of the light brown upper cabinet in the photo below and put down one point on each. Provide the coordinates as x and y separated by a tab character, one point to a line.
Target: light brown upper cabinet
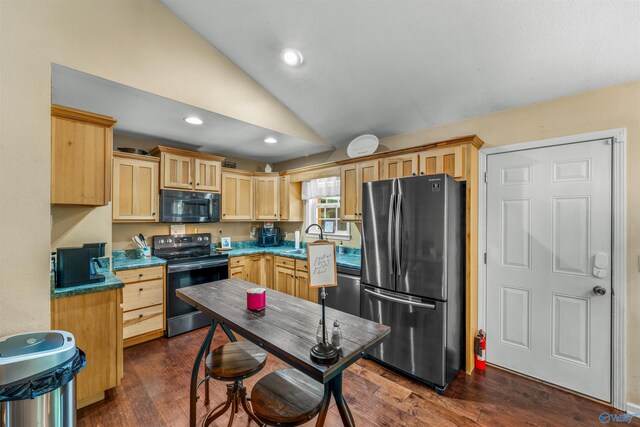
188	170
449	160
81	147
135	187
291	204
352	176
237	195
400	166
267	200
176	172
208	174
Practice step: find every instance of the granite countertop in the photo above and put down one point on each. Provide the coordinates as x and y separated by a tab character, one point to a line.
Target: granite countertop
129	259
110	282
346	257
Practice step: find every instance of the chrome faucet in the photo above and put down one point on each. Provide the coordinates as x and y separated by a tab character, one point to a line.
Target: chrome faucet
317	225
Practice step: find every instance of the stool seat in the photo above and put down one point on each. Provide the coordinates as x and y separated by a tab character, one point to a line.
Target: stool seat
235	361
286	398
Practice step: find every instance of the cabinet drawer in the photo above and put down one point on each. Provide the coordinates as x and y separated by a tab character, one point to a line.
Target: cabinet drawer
137	322
140	274
237	261
285	262
301	265
142	294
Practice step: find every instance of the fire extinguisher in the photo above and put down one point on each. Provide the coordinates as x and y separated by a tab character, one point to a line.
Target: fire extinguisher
480	344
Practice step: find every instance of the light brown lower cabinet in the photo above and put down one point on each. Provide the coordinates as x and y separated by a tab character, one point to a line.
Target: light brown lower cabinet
143	304
236	267
284	279
254	269
95	320
286	275
268	271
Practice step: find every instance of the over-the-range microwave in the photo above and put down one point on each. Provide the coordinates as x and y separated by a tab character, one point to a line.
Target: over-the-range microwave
189	206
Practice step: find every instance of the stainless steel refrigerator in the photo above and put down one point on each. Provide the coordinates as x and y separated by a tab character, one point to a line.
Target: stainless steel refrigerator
413	257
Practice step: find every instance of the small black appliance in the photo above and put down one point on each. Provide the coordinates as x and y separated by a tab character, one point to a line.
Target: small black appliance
269	236
74	266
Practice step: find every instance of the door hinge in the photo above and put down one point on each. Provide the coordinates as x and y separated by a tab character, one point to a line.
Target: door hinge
485	257
485	177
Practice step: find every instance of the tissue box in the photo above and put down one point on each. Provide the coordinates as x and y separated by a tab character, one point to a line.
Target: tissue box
256	299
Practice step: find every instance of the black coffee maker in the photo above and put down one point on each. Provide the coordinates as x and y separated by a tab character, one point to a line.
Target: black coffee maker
76	265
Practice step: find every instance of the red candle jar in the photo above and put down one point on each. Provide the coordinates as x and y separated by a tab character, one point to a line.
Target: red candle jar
256	299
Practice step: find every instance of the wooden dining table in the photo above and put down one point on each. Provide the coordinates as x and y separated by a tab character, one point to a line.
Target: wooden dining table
286	329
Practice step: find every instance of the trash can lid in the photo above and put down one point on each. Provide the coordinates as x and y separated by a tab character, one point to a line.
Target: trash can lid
23	356
36	342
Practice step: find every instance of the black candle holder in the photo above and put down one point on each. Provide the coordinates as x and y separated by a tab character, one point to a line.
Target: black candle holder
324	353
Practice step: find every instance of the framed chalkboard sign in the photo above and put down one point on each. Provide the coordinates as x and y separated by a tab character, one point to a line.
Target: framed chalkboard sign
321	262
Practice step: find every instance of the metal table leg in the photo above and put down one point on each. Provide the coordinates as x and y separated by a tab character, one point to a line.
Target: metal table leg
343	408
326	400
334	387
194	373
227	331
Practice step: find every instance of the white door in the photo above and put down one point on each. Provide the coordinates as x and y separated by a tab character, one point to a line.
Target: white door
548	261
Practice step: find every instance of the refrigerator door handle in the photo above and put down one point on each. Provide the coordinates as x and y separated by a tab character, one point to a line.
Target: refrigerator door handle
398	234
400	300
391	241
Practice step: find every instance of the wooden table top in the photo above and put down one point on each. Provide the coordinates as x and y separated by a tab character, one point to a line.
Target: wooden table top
287	327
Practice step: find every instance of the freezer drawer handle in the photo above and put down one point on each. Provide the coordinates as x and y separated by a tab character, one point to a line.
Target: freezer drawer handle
401	301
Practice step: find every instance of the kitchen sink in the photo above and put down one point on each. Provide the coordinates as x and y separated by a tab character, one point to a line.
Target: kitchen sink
296	252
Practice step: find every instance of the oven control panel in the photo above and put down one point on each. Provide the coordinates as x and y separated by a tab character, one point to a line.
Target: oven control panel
182	241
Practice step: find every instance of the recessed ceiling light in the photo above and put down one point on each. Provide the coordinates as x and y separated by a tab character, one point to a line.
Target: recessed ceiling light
270	140
193	120
291	57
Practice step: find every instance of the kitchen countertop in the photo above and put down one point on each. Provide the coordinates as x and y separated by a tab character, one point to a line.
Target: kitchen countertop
346	257
110	282
130	259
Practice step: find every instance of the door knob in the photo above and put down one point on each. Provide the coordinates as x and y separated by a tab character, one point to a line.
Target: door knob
599	290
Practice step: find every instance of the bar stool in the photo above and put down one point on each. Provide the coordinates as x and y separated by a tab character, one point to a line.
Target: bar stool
286	398
234	361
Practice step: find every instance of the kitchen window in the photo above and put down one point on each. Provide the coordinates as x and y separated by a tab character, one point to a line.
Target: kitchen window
322	206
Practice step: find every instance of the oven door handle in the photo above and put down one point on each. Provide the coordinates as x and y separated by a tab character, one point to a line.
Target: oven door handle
176	268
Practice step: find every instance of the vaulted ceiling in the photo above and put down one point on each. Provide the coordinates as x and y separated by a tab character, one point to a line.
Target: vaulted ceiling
392	66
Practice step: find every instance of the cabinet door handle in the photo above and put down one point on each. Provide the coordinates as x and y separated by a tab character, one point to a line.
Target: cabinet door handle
141	289
421	173
197	183
153	214
275	215
190	183
140	316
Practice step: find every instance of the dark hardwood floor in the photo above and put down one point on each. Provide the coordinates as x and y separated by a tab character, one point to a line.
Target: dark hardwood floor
155	392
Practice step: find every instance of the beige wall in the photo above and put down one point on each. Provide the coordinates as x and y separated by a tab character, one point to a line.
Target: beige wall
122	233
135	43
75	225
608	108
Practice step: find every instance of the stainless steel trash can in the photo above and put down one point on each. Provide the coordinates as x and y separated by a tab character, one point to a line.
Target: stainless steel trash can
37	372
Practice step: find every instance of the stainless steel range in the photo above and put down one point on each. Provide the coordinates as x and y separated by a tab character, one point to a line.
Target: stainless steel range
190	261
